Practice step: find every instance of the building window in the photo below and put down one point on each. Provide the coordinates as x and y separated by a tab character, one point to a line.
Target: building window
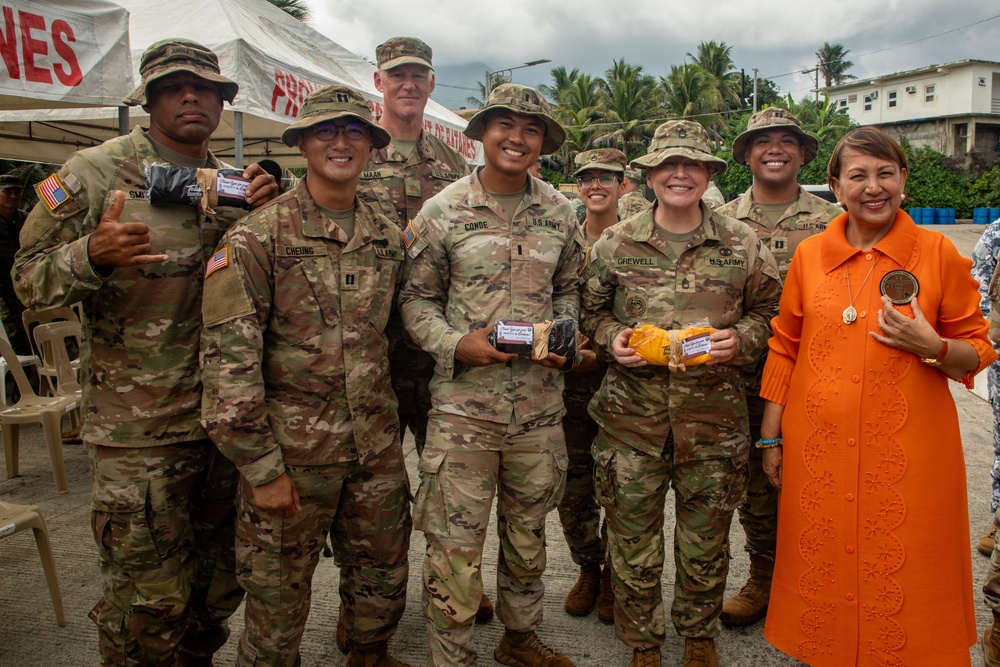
868	102
843	103
982	81
852	98
892	98
929	95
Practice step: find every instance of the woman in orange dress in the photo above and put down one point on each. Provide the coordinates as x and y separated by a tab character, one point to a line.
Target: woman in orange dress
861	434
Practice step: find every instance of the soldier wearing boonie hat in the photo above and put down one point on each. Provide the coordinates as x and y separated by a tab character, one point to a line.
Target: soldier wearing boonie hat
295	314
675	265
495	245
95	238
774	147
579	511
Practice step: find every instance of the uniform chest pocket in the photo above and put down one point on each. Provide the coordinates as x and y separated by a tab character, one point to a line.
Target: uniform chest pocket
305	302
382	279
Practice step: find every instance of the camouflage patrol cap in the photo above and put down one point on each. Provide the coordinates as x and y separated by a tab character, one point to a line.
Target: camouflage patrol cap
774	118
10	182
332	102
605	159
403	51
179	55
634	174
680	137
522	100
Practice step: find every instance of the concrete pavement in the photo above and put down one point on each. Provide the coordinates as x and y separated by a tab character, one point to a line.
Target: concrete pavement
29	636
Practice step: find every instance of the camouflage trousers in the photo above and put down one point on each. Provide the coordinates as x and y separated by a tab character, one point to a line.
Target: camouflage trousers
163	519
410	372
632	488
367	505
579	512
759	510
466	462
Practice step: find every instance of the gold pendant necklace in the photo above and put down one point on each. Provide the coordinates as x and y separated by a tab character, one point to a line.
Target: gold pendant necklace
849	313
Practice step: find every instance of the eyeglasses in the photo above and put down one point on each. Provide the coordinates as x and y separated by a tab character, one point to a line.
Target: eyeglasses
606	180
328	131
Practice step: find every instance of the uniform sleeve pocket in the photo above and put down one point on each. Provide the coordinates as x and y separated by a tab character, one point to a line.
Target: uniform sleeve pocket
429	512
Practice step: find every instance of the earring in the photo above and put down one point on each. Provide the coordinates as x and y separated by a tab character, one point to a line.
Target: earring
903	197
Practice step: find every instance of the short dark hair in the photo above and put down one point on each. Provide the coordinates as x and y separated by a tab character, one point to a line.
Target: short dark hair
867	141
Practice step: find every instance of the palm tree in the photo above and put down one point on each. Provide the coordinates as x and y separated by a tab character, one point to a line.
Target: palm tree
716	58
833	64
295	8
496	79
691	92
628	103
561	80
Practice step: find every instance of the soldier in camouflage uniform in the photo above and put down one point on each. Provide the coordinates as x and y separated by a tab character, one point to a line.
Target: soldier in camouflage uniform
632	202
162	500
497	244
297	392
11	221
675	265
599	179
782	214
991	587
985	259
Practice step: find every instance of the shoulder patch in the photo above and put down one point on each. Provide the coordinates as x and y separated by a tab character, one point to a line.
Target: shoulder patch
52	192
219	260
409	236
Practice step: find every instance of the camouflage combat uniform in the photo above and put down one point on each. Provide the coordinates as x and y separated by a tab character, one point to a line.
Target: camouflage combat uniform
493	429
162	501
991	586
632	203
659	427
297	381
806	216
410	182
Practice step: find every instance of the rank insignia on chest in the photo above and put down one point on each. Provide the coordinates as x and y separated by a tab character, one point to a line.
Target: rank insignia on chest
779	244
219	260
409	236
52	192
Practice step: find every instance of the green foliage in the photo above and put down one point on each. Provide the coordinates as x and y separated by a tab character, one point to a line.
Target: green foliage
833	64
985	190
555	177
297	9
931	185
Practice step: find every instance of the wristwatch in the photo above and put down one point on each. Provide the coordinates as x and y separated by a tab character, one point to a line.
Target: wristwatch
936	361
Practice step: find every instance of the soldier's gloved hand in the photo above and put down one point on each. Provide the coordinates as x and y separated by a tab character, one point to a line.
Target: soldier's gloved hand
474	350
624	354
114	243
277	496
723	347
262	188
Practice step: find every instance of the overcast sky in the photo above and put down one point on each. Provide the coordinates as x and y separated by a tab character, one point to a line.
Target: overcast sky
777	37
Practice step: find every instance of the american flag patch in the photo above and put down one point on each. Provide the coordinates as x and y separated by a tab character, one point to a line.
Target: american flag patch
220	260
409	236
52	192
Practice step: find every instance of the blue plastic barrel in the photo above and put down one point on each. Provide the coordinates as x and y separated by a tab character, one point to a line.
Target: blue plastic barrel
994	214
917	214
946	216
980	216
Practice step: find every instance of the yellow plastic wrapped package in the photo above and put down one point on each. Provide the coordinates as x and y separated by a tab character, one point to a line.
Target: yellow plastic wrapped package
676	348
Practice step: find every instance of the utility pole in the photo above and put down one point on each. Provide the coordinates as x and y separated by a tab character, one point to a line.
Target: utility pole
755	90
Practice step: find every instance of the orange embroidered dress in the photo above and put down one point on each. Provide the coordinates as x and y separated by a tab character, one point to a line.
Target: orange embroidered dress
873	563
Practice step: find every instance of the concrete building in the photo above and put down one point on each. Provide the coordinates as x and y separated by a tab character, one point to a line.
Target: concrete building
952	108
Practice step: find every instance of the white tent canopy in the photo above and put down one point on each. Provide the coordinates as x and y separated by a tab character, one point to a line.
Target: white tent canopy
276	59
63	54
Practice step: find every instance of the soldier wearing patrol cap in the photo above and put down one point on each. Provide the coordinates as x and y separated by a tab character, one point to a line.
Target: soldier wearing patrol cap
498	244
11	221
775	148
162	499
675	265
297	395
599	179
631	200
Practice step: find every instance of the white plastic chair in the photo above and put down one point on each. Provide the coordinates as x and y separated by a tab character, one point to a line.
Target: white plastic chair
23	359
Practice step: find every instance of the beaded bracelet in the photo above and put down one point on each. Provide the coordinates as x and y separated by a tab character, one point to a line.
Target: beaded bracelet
767	444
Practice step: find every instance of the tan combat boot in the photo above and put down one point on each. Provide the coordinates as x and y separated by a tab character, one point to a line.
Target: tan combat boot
700	653
583	595
988	542
342	643
485	612
606	599
648	658
991	643
525	649
750	604
377	656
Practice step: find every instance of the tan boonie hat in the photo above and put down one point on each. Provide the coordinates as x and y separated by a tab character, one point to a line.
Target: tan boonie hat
774	118
680	137
522	100
330	103
8	182
403	51
604	159
179	55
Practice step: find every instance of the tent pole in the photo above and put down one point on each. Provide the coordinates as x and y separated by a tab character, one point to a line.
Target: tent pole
238	136
123	128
